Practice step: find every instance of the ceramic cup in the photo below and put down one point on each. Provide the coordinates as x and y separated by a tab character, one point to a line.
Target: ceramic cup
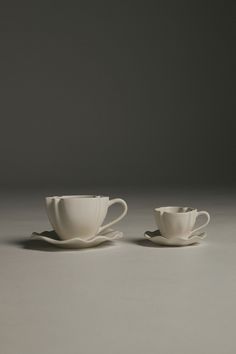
178	221
80	215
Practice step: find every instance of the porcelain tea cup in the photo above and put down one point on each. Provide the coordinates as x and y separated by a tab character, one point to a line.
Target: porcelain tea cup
80	215
178	222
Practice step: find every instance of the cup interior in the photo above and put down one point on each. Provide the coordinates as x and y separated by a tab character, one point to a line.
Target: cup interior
174	209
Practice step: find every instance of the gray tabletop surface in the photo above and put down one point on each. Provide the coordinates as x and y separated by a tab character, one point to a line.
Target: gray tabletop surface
127	297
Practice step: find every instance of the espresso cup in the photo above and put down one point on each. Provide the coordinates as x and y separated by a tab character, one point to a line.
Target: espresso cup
80	215
178	221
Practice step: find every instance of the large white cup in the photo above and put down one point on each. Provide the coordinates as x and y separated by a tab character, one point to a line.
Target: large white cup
80	215
178	221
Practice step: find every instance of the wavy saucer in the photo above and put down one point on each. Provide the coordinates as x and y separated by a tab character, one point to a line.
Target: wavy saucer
52	238
156	237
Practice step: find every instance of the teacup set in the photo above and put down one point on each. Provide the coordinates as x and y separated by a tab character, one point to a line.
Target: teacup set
176	226
77	222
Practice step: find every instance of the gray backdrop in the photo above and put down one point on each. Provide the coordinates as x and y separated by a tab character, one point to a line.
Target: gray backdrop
102	97
117	93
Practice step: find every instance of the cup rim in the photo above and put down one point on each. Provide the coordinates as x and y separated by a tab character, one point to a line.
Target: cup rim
164	209
74	196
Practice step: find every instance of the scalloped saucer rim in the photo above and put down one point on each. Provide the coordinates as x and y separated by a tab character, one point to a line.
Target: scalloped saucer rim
77	242
156	237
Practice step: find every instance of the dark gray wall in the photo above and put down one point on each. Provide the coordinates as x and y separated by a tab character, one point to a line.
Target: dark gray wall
96	93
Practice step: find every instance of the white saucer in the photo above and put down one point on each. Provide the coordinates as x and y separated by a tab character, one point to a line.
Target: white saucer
156	237
52	238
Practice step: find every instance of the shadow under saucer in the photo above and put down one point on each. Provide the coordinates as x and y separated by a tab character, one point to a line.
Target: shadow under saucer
35	245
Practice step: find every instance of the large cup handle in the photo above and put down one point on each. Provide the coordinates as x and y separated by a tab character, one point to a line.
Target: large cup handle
111	202
205	224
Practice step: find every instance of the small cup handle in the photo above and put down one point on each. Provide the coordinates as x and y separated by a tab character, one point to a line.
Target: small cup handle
205	224
111	202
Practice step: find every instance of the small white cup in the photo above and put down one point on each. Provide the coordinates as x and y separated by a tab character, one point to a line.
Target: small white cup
178	221
80	215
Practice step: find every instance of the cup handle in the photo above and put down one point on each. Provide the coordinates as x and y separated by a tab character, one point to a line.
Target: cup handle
206	223
111	202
